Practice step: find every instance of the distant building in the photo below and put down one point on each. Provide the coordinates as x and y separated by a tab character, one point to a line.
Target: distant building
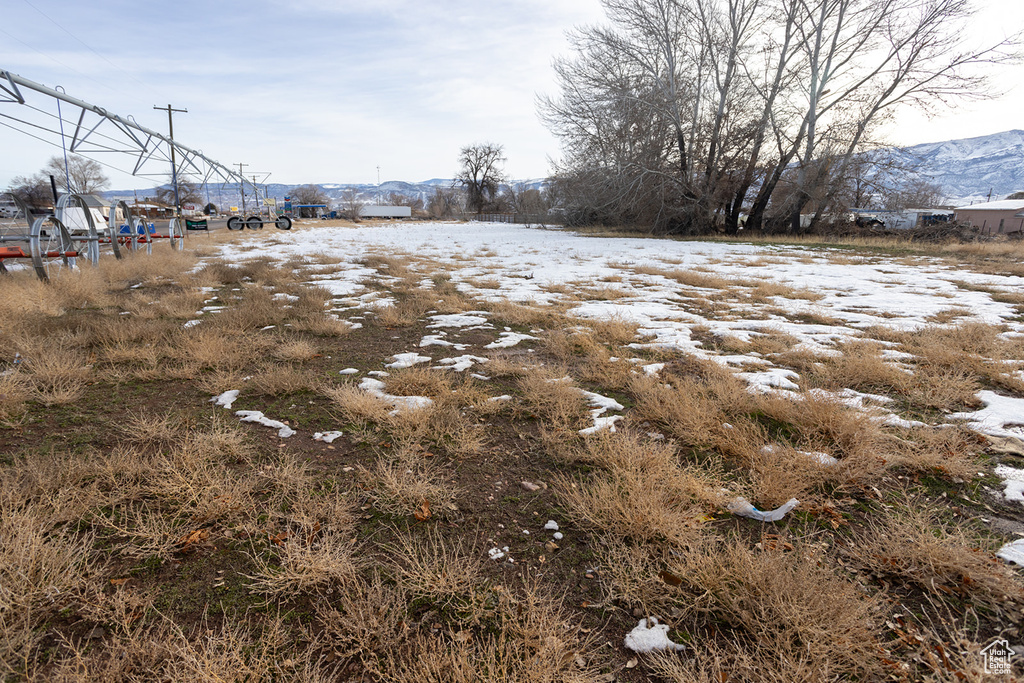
901	220
994	218
374	211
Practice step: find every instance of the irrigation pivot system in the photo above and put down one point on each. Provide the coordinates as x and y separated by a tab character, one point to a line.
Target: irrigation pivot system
74	231
91	130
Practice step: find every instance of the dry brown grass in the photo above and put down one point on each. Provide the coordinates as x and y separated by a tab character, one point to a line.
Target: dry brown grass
295	350
913	545
40	567
307	561
57	369
367	621
819	423
528	637
409	309
402	483
645	494
437	568
527	315
860	366
15	390
277	380
952	452
357	406
789	612
693	406
555	400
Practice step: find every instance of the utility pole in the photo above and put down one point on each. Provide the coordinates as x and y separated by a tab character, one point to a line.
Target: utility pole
174	165
241	185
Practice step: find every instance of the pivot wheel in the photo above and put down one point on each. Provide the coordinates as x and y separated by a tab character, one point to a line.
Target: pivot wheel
51	247
175	235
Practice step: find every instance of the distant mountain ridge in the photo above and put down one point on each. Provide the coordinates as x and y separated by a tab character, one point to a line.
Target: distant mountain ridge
971	169
227	194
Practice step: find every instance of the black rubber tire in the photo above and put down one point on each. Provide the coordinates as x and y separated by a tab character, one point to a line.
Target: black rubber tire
283	223
254	223
235	223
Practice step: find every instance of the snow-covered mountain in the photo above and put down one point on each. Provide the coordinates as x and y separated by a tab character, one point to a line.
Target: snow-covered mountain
972	168
228	195
968	170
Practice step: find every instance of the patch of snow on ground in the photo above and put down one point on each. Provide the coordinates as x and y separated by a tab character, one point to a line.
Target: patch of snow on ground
467	319
438	340
1014	481
407	360
770	380
856	293
1001	416
283	430
348	371
601	405
1013	552
462	363
508	339
376	388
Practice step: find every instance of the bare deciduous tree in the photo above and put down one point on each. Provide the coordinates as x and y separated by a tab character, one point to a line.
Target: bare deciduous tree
445	202
188	192
34	190
680	112
351	203
480	173
83	176
309	196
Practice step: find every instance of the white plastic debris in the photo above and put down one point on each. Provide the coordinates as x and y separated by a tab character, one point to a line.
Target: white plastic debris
1013	552
283	430
650	636
742	507
552	525
326	437
226	399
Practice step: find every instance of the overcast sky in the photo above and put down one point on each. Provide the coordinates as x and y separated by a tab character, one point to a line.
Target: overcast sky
326	91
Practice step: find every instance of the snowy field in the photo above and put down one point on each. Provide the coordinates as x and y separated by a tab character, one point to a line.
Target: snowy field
819	297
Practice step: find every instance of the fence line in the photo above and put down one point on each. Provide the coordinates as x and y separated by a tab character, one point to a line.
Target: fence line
524	218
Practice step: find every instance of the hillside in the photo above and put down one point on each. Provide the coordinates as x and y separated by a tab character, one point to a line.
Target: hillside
970	169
